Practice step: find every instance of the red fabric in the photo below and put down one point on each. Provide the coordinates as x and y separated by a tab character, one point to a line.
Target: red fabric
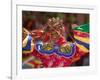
61	41
47	37
80	34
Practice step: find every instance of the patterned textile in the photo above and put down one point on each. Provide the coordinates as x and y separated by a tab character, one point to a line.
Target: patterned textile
40	55
81	35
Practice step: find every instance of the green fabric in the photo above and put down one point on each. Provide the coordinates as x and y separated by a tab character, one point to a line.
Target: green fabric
83	28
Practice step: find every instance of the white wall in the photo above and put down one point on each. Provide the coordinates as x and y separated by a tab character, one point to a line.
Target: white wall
5	33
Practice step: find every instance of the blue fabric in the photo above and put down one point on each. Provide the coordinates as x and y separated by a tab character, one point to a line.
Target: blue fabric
56	50
28	45
82	43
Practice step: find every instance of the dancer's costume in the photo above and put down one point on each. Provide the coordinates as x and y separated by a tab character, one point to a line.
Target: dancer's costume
60	54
